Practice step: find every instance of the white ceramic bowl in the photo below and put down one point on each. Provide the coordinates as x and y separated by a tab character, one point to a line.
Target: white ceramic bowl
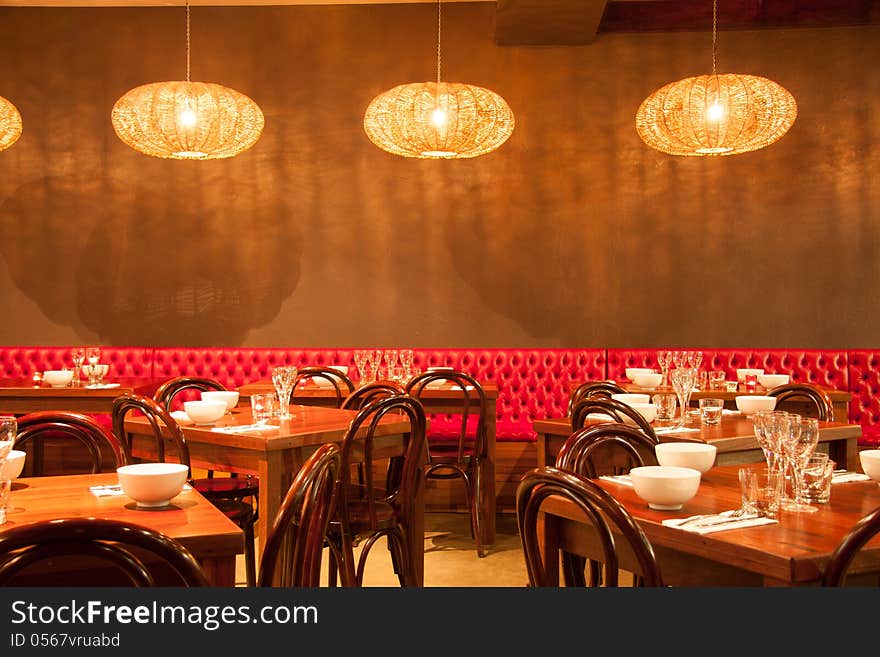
773	380
102	369
205	412
13	465
748	404
648	379
152	484
631	372
58	378
632	398
648	411
228	397
698	456
745	371
665	487
870	460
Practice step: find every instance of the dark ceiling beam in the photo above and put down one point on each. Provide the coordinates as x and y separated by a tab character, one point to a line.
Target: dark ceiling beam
547	22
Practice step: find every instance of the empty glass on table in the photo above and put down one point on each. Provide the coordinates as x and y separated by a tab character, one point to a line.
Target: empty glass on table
683	379
800	444
284	379
78	356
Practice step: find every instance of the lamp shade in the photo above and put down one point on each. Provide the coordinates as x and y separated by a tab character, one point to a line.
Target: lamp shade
721	114
443	120
187	120
10	124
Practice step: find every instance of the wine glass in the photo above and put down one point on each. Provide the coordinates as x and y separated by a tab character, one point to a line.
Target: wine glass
360	359
78	356
663	359
93	358
800	444
284	379
765	434
694	359
406	360
683	379
680	358
390	360
8	432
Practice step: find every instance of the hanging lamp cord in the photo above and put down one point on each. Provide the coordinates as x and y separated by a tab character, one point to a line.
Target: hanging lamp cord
187	41
714	31
438	43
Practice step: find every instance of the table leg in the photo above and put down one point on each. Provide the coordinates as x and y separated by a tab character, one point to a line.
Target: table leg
415	533
219	570
272	490
487	478
845	453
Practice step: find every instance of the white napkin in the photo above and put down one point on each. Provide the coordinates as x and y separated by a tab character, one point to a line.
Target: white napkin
623	480
707	528
729	411
663	430
244	428
102	386
846	477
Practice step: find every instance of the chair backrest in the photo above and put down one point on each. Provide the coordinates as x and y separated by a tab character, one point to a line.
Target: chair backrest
167	392
160	421
67	427
805	391
402	473
109	541
473	404
593	389
371	392
604	512
593	446
342	385
611	408
292	556
842	557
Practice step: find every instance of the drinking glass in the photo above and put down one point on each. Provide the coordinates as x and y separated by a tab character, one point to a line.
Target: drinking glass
78	356
680	358
284	379
666	404
663	359
683	379
694	359
800	446
263	407
711	410
360	359
406	360
764	489
5	490
8	432
390	360
716	379
817	475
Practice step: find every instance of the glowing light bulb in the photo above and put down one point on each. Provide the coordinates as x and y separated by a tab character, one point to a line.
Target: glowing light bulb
715	111
438	117
187	118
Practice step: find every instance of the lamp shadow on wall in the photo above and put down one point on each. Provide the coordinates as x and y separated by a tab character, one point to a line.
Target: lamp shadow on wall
138	263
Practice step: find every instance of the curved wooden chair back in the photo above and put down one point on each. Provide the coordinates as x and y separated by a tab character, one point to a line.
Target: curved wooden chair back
611	521
843	556
593	389
160	420
109	541
67	426
805	391
166	393
611	408
341	384
292	556
371	392
578	453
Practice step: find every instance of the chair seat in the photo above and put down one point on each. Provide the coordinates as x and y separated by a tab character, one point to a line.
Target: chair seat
225	487
241	513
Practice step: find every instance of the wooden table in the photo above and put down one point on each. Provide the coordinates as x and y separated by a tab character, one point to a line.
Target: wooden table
734	437
191	519
440	399
791	553
19	396
276	455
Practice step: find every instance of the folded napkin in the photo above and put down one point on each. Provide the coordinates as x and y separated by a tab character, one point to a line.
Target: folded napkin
846	477
102	386
719	522
662	430
623	480
245	428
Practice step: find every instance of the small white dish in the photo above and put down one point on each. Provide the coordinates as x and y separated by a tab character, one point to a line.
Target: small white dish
665	487
749	404
699	456
773	380
204	413
228	397
631	372
649	380
152	485
58	378
631	398
743	372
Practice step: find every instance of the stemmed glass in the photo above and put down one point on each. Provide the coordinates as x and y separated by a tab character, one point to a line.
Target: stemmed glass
284	379
683	380
663	359
680	358
406	361
800	444
78	356
769	425
93	356
360	360
694	358
390	360
8	432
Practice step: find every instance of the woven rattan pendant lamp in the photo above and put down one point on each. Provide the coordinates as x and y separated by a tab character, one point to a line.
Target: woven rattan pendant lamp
718	114
438	120
10	124
187	120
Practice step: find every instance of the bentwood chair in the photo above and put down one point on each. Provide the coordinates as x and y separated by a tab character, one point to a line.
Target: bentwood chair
371	392
54	430
292	556
605	448
365	512
805	392
460	456
332	378
611	521
593	389
133	555
236	508
615	410
841	561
